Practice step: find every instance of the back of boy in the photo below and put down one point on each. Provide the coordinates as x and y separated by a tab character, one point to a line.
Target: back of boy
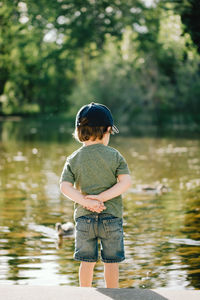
94	177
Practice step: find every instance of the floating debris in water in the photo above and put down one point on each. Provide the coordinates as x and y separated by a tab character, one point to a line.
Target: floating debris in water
171	150
189	242
35	151
19	157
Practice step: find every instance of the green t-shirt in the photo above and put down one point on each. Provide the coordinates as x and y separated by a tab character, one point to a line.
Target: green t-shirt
94	169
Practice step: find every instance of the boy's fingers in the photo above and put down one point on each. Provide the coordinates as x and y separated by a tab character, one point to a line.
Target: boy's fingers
92	197
98	206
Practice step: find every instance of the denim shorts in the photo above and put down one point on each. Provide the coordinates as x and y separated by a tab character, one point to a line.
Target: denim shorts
104	228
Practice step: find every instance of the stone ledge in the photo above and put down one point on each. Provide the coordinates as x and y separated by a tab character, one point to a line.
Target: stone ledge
25	292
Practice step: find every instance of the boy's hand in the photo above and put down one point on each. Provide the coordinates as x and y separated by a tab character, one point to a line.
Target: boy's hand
94	205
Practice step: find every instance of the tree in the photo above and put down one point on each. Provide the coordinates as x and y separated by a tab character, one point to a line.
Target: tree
42	41
189	10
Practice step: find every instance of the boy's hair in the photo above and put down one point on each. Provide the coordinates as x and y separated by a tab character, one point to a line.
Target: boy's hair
83	132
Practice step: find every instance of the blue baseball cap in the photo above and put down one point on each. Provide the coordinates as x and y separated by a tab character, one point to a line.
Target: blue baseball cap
96	115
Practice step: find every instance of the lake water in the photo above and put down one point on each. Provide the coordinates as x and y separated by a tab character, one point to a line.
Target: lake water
162	231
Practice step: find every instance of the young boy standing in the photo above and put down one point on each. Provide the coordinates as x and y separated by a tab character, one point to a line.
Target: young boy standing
94	177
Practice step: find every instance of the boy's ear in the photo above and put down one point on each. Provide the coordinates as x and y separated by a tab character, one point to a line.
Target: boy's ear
109	129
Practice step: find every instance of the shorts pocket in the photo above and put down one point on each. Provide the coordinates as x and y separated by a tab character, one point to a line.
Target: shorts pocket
113	225
82	227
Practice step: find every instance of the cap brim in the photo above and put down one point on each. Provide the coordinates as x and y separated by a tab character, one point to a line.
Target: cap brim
115	129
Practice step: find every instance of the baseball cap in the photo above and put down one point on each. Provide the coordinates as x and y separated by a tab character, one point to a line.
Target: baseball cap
97	115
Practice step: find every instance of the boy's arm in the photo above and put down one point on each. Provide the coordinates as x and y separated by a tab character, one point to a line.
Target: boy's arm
68	190
124	183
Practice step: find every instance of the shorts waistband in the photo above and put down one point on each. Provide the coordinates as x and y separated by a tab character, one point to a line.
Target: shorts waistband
98	216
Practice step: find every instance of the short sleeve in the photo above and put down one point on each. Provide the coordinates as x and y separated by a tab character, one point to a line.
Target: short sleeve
67	174
122	166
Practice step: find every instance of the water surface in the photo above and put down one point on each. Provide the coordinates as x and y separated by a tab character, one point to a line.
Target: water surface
162	235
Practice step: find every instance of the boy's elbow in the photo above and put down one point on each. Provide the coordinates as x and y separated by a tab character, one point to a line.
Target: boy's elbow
126	180
64	186
129	182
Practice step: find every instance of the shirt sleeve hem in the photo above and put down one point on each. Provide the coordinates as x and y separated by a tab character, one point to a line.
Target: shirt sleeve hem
121	172
66	179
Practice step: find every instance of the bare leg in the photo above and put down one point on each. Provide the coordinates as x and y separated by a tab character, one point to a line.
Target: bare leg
86	273
111	275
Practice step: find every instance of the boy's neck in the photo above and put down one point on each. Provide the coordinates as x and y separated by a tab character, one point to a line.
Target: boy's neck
90	142
104	141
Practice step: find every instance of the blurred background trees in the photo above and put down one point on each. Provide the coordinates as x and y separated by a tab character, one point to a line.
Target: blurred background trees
141	58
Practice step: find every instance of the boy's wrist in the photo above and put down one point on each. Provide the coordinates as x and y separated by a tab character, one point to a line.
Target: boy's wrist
82	200
101	197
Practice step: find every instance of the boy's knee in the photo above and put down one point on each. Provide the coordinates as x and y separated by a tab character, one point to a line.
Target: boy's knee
111	265
85	264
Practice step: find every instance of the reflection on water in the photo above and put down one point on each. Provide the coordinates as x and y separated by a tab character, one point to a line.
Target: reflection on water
161	231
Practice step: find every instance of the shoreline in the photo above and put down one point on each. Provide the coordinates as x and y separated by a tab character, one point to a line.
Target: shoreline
24	292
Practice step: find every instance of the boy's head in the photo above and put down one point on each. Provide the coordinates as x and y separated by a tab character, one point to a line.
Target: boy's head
93	121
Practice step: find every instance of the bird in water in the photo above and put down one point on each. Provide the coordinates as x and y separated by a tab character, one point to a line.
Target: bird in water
151	190
65	230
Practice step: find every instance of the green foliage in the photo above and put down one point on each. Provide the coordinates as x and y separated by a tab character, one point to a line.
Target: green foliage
58	55
33	73
158	88
189	11
41	42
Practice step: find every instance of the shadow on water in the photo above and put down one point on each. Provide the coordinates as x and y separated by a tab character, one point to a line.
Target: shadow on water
162	236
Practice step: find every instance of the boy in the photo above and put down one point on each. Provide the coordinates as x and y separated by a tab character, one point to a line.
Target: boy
100	175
